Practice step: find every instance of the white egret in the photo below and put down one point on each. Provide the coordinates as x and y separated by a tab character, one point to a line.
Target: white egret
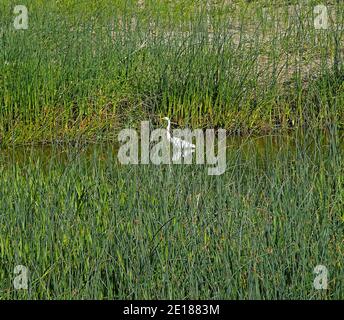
182	147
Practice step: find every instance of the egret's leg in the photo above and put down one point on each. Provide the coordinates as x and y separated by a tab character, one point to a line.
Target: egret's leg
187	152
176	155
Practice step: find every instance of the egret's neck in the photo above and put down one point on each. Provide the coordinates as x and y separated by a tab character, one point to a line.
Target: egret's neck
168	129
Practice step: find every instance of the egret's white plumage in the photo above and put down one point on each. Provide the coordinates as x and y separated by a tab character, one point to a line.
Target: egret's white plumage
183	148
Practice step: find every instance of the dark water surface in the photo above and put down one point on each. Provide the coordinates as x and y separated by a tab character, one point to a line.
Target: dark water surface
263	147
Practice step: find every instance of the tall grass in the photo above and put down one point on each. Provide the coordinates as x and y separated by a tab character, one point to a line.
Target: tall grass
82	70
87	227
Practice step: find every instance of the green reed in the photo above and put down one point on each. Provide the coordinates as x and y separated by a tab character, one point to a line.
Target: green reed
82	71
88	227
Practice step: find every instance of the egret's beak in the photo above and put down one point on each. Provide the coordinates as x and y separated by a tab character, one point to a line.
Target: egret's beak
163	119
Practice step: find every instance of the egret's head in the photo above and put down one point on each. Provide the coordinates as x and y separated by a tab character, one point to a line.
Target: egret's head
166	118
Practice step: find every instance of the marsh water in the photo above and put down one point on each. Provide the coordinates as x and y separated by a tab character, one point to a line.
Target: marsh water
262	147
